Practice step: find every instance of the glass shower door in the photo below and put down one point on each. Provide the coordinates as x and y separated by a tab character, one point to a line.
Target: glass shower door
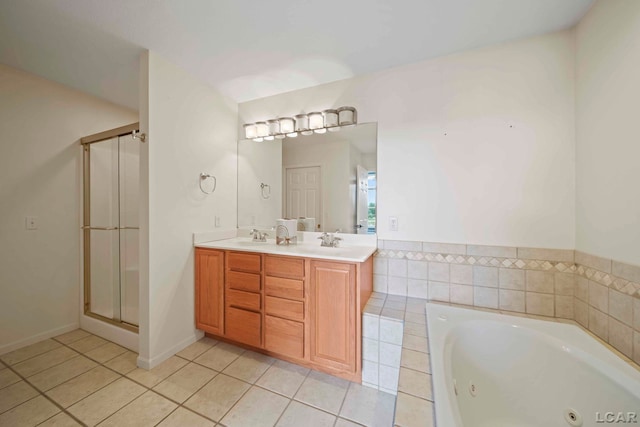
111	181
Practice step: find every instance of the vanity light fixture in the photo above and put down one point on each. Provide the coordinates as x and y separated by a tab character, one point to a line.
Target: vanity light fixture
331	120
347	116
304	124
250	131
316	121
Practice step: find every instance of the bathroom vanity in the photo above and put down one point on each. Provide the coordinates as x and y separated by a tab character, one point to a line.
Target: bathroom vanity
301	303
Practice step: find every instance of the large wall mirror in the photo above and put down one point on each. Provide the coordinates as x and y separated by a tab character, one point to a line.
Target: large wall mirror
327	181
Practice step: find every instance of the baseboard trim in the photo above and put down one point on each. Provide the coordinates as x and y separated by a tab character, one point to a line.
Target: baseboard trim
6	348
110	332
149	363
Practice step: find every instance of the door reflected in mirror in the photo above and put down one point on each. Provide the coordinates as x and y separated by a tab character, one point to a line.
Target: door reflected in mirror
327	181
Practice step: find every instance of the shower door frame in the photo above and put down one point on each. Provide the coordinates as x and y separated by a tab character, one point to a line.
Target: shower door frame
86	218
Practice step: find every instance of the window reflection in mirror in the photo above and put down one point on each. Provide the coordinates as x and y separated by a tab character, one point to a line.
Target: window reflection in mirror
329	180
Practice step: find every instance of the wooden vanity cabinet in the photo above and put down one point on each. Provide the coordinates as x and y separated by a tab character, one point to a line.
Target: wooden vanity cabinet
285	308
243	298
210	290
304	310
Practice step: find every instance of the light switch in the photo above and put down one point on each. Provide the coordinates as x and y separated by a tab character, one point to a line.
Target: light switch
31	223
393	223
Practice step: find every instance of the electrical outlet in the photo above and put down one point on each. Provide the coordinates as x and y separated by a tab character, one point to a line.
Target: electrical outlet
393	223
217	221
31	223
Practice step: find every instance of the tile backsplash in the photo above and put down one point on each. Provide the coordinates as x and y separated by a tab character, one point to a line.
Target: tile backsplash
600	294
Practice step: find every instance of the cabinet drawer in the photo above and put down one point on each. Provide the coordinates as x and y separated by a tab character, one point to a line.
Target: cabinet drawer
243	281
241	299
285	288
284	267
243	326
284	308
244	262
285	337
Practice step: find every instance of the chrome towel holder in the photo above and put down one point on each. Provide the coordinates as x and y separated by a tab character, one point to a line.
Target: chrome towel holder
203	178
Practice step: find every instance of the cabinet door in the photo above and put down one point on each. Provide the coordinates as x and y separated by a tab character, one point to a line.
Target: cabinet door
333	314
210	290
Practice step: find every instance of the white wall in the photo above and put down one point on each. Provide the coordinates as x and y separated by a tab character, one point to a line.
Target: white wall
476	147
607	142
41	123
190	129
259	163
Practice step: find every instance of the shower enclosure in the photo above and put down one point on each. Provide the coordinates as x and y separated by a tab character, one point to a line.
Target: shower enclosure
111	165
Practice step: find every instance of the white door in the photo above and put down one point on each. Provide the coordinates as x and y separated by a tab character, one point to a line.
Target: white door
362	204
303	193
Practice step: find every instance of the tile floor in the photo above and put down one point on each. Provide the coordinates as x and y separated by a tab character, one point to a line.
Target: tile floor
81	379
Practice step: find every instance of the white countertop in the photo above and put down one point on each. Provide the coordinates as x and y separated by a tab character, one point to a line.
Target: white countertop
307	249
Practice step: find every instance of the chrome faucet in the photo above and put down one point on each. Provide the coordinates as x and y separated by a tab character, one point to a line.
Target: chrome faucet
258	236
330	240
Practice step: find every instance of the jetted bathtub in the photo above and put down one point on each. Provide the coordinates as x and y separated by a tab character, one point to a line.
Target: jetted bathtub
494	370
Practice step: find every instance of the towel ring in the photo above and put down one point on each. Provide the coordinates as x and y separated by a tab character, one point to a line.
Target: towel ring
265	190
204	177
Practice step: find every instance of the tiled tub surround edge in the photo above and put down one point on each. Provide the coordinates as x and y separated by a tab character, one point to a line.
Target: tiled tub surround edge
600	294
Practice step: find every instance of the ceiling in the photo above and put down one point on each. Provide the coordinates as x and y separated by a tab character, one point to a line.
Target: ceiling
249	49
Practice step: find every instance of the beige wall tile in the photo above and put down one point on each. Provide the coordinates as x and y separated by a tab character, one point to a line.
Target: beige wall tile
599	323
599	296
380	265
397	285
485	276
582	288
461	294
380	283
415	343
592	261
636	347
439	271
438	291
540	281
564	306
564	283
542	304
397	267
485	297
444	248
626	271
401	245
636	314
511	300
417	270
560	255
510	278
581	312
417	288
461	274
418	329
492	251
621	337
621	306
